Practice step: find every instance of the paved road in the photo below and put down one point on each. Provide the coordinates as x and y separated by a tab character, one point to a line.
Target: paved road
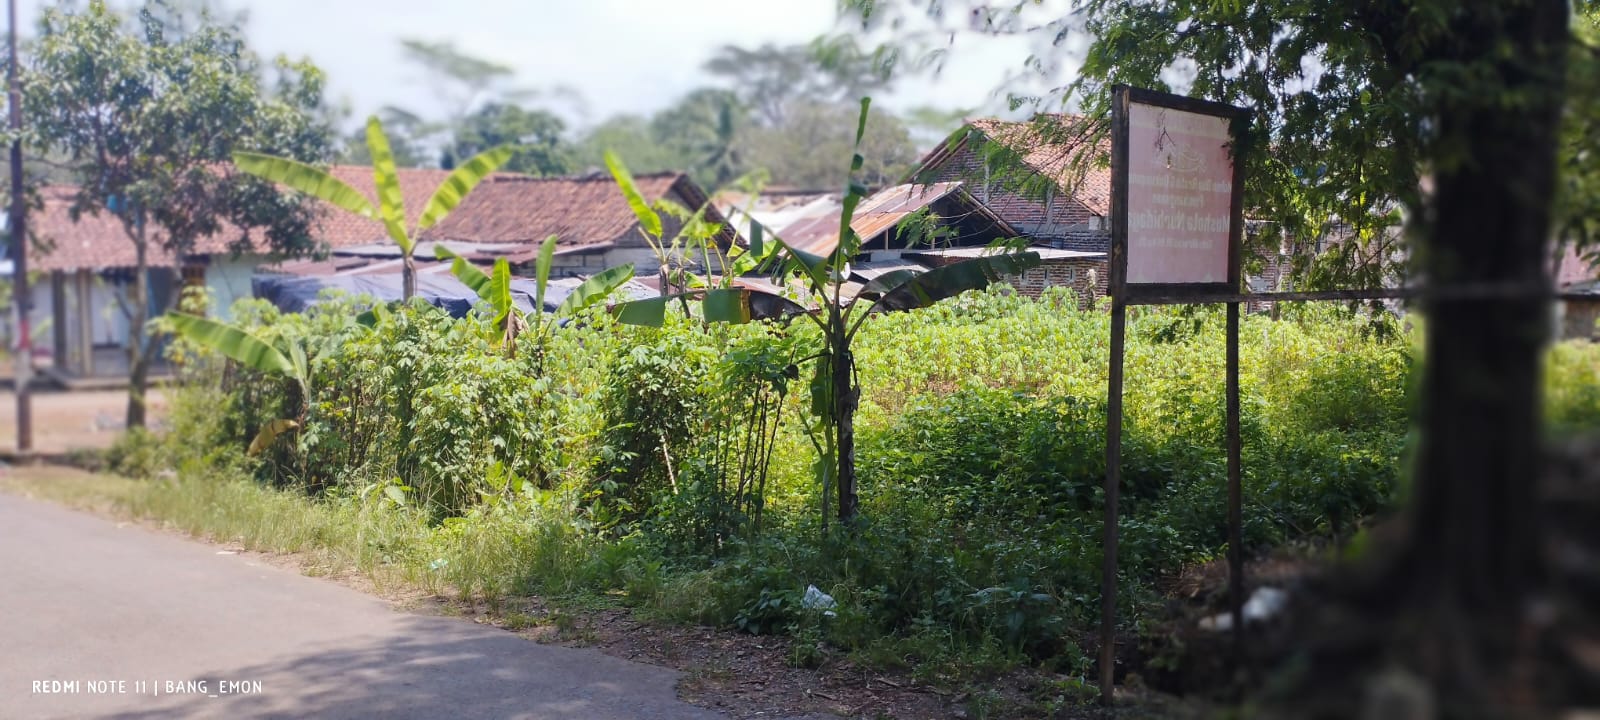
84	600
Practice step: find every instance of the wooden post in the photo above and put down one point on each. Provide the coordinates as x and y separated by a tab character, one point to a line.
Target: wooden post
1117	267
1108	571
58	319
1235	493
85	294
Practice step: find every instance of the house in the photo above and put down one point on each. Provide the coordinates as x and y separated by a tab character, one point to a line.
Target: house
89	260
775	208
1041	177
896	218
922	226
509	216
80	309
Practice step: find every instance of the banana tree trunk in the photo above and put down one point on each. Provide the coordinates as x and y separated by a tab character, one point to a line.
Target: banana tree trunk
408	278
845	398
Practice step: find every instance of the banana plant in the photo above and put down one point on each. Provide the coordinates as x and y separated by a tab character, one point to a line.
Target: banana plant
695	235
495	289
390	209
835	393
252	351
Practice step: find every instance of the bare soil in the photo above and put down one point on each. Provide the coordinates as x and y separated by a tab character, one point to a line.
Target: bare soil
67	421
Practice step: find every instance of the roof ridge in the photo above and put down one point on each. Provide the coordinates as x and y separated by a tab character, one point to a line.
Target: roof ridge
586	177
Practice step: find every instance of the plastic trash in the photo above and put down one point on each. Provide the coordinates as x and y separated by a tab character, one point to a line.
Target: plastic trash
815	599
1264	604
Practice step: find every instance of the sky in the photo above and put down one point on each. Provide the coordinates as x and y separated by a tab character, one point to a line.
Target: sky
633	56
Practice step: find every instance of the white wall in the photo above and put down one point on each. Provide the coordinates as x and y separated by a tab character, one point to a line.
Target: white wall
229	280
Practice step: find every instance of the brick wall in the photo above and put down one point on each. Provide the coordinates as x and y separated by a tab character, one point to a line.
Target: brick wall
1578	319
1086	277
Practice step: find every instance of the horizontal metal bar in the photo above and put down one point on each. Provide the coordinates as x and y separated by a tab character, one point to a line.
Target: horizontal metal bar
1516	291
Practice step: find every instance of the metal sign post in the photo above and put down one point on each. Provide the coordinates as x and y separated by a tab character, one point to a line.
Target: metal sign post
1177	226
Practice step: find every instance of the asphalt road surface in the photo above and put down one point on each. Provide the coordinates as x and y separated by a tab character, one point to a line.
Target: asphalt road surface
100	619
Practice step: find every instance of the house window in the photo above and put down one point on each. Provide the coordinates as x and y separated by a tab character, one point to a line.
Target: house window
194	276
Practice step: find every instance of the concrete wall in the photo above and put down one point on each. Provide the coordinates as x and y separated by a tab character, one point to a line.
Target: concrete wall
229	280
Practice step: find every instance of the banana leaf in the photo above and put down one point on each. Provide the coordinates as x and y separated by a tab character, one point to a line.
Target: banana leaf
594	290
391	201
950	280
649	312
469	274
541	270
460	182
312	181
648	218
244	348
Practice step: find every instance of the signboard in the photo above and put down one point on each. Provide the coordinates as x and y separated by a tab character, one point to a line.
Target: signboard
1176	224
1176	196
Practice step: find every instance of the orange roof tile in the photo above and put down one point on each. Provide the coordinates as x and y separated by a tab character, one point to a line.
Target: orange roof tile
506	208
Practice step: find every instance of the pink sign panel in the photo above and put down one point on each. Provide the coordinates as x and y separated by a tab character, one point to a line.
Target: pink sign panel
1180	193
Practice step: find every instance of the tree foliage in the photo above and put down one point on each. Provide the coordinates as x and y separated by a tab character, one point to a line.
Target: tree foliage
812	146
535	134
771	78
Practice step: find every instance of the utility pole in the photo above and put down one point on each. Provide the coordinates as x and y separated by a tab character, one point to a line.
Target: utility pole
19	252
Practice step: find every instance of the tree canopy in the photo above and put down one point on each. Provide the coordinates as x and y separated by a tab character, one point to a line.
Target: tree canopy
813	146
1453	118
771	77
145	120
536	135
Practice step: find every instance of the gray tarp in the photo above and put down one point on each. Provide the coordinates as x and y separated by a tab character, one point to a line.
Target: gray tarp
295	293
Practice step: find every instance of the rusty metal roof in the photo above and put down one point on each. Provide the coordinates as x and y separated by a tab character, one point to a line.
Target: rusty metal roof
880	213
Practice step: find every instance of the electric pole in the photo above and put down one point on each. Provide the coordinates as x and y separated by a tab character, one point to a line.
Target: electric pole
19	252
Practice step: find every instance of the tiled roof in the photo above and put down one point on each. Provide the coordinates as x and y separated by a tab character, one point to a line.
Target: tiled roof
579	211
506	208
342	229
96	240
1055	146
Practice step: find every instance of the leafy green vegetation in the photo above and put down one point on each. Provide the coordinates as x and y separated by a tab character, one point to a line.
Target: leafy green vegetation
671	464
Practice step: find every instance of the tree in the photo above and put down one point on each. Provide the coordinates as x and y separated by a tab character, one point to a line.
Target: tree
812	147
391	209
535	134
1578	199
482	109
405	132
1356	102
459	79
144	122
771	77
705	128
629	136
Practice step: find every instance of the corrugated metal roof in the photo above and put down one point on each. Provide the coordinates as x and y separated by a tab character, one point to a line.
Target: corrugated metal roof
874	216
